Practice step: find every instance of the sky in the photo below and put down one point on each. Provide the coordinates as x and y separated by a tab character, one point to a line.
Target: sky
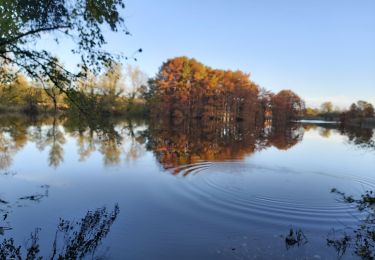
321	49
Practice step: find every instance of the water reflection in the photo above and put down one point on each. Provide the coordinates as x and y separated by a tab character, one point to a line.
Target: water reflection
106	137
363	138
50	137
173	143
73	239
195	142
295	238
245	203
354	240
359	239
38	196
6	206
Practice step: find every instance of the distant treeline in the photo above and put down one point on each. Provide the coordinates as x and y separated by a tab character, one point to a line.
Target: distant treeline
185	87
359	113
182	88
20	95
113	92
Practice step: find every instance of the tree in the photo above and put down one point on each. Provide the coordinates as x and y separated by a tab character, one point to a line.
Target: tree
81	21
311	112
287	105
357	113
369	111
362	109
353	111
326	107
13	93
366	109
112	81
185	87
137	79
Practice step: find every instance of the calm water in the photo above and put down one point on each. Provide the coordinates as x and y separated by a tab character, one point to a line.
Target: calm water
138	190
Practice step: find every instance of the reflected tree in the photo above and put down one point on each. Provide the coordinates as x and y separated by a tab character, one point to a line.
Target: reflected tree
136	142
85	143
111	137
50	134
100	135
192	141
325	132
13	137
173	141
110	148
6	151
56	138
285	136
360	137
363	138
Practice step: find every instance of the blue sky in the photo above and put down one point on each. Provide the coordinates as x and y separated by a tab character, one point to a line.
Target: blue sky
321	49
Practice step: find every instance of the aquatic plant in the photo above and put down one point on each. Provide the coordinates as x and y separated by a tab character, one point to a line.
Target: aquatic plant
360	239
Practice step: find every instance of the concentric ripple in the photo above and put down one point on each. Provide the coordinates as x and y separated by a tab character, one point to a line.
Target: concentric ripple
267	195
187	169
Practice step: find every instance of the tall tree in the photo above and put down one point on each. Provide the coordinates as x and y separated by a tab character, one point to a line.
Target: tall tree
186	88
366	109
326	107
111	87
287	105
81	21
136	80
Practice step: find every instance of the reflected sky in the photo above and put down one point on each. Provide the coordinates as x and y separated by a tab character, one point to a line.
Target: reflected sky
185	191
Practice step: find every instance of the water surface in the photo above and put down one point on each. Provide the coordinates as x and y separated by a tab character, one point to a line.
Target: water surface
157	190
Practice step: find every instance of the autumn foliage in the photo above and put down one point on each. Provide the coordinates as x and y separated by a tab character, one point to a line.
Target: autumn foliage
185	88
197	141
287	105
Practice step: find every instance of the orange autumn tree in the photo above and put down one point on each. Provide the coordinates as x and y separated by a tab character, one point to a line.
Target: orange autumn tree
192	142
185	87
286	105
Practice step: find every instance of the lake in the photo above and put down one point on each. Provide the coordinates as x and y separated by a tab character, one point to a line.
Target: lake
133	189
